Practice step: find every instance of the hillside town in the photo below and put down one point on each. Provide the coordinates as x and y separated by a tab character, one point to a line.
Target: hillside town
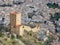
29	22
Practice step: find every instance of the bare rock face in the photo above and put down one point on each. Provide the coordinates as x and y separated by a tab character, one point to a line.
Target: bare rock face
5	2
28	6
18	1
21	0
11	2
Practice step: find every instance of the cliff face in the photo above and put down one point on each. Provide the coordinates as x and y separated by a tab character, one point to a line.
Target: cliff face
38	7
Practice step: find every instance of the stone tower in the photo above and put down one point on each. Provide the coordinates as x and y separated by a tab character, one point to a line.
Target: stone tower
15	22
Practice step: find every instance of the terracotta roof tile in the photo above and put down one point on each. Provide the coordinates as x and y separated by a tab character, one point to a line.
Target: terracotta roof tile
19	25
14	12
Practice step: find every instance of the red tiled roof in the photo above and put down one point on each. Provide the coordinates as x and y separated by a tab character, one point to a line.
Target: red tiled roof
19	25
14	12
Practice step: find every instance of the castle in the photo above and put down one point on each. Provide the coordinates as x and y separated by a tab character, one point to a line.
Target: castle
16	25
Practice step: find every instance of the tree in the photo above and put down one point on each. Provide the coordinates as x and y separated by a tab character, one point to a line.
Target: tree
12	36
55	17
1	35
50	39
52	5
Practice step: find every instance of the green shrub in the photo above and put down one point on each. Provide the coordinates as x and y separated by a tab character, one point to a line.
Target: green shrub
12	36
1	35
55	17
52	5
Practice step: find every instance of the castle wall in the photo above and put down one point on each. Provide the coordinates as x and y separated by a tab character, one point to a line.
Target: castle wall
27	28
